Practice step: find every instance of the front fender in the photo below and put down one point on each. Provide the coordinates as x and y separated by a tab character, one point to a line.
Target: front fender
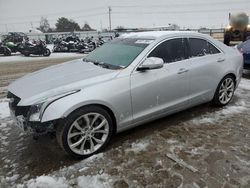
108	94
64	106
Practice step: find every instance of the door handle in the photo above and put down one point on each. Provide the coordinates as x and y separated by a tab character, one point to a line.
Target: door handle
182	70
220	60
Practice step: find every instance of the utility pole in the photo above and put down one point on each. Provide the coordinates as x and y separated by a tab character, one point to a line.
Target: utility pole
110	18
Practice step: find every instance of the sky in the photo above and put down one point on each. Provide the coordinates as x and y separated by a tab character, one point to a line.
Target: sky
22	15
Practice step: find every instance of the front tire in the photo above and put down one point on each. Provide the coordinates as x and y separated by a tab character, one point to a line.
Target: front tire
46	52
225	91
7	52
85	132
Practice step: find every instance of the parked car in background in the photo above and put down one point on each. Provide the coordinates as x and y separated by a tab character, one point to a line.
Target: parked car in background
135	78
244	48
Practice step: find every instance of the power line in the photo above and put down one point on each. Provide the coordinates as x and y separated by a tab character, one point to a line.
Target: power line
176	12
182	4
59	13
51	20
130	6
119	10
131	12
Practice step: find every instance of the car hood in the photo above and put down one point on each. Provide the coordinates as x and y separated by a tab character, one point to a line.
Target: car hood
58	79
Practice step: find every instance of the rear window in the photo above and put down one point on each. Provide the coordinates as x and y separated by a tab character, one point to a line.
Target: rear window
212	49
200	47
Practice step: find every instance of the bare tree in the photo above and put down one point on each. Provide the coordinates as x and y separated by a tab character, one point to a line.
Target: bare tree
44	25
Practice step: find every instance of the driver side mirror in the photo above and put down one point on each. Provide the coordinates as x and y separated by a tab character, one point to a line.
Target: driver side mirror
151	63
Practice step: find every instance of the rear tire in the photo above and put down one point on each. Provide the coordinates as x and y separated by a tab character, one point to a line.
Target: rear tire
26	53
85	131
225	91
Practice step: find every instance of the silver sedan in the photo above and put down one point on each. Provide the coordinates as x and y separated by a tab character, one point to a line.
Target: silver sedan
131	80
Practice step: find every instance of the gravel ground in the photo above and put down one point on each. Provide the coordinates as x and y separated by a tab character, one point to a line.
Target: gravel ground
210	147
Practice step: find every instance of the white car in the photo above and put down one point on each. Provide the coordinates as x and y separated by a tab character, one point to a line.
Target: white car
131	80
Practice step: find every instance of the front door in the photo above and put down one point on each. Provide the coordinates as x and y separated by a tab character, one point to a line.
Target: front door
159	91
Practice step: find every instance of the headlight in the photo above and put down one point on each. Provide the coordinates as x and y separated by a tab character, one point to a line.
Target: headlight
36	110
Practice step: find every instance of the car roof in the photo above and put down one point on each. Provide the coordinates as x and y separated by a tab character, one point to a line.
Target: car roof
162	35
158	34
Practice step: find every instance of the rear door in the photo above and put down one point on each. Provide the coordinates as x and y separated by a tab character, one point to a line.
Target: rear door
205	62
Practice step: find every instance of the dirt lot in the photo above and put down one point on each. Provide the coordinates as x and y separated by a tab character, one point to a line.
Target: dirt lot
9	71
213	141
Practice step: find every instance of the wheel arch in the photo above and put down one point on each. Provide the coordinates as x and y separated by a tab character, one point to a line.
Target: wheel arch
109	111
65	113
230	74
62	127
214	102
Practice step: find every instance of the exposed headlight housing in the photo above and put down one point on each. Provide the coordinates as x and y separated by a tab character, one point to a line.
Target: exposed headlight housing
36	110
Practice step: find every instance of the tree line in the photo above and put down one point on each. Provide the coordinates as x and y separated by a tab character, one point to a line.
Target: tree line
63	25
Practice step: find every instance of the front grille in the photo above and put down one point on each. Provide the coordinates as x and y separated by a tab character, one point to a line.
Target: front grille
17	110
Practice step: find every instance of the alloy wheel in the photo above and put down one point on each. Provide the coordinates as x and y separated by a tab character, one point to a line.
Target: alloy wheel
88	133
226	90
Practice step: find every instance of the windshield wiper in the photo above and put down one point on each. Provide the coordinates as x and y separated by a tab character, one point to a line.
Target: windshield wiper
110	66
92	61
86	60
102	64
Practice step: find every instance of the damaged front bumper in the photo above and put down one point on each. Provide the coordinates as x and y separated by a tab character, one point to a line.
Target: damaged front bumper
19	121
32	127
21	115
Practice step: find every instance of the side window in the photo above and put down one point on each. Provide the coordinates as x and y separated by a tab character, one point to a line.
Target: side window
212	49
201	47
198	47
170	51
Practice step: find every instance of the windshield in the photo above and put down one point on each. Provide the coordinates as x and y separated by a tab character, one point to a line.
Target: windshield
120	52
